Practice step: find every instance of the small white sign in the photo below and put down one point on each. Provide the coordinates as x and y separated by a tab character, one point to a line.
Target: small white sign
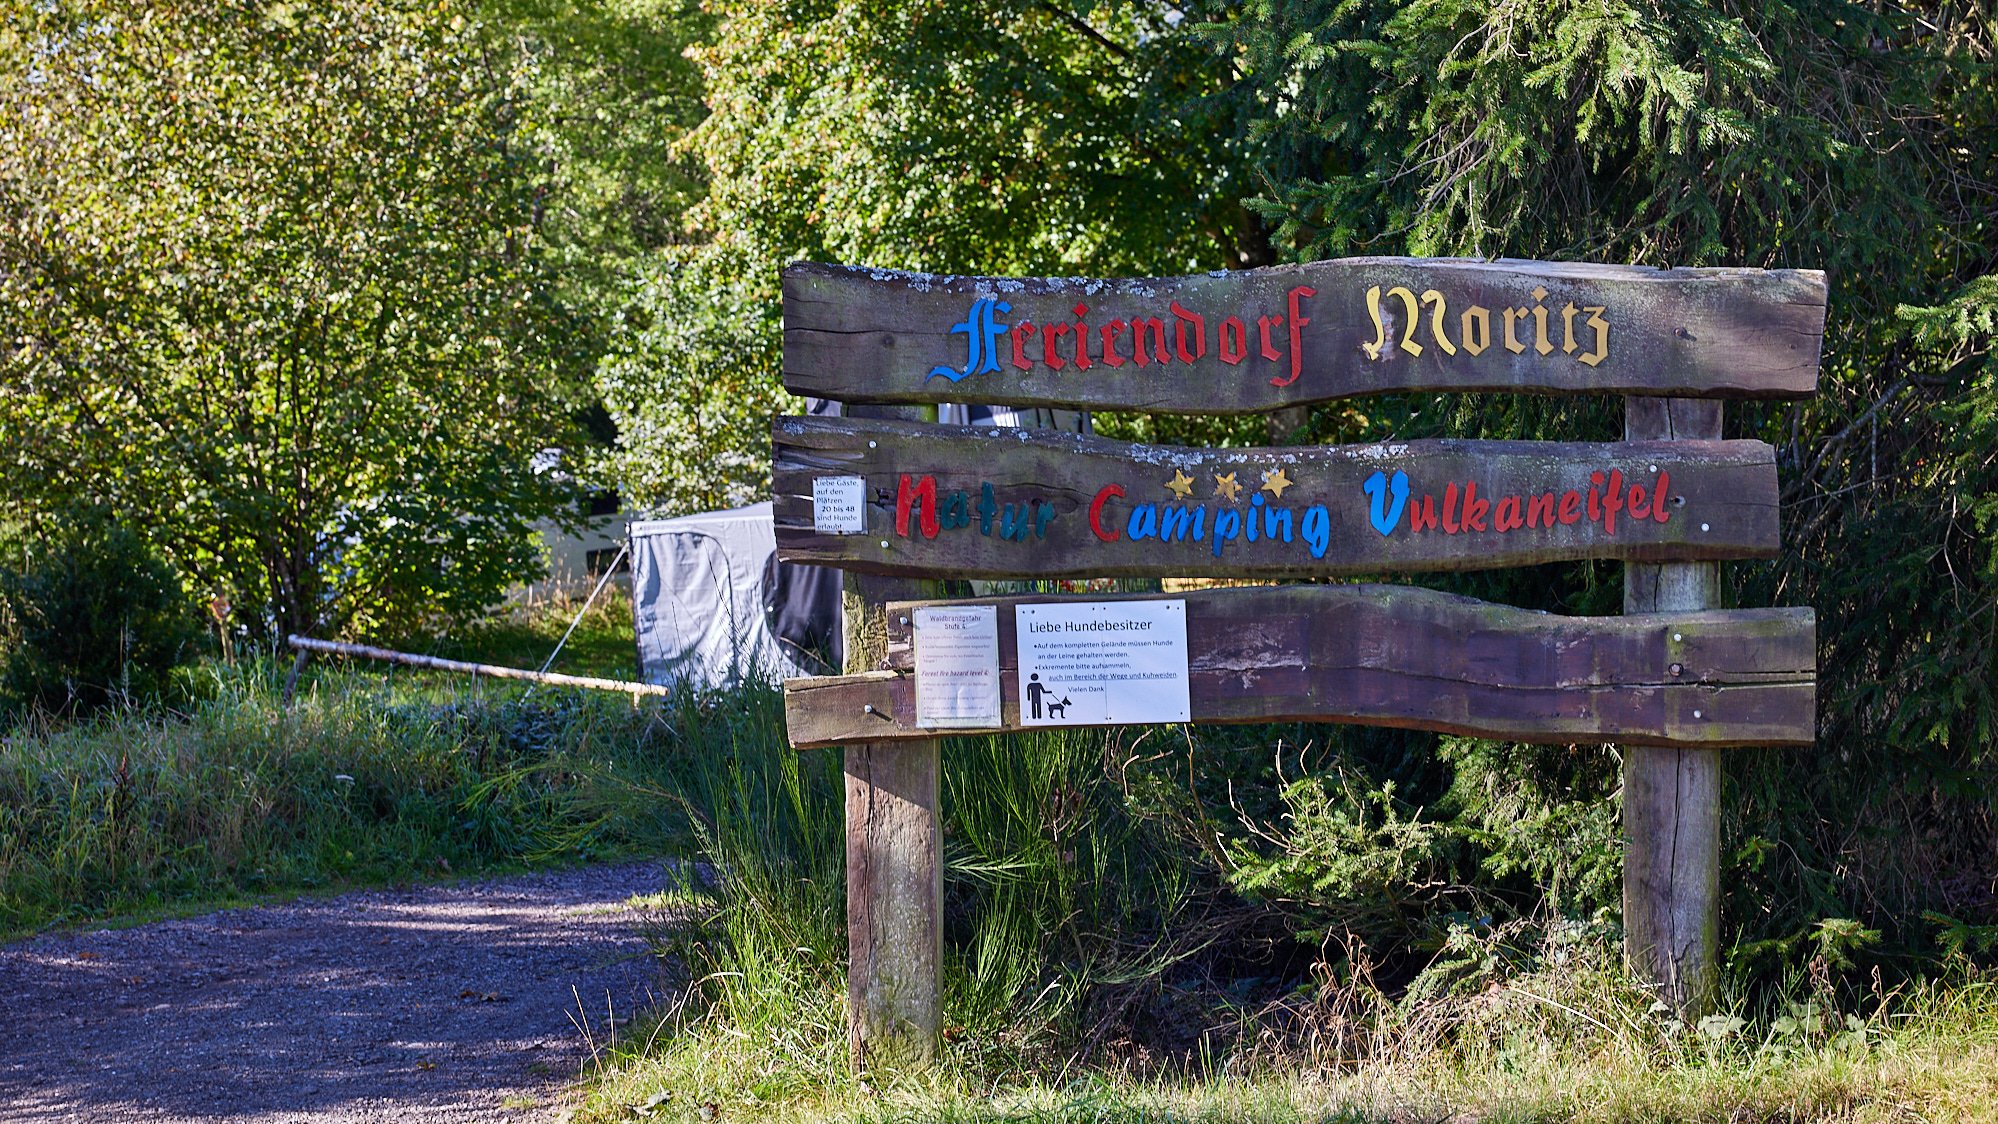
1088	663
839	505
957	666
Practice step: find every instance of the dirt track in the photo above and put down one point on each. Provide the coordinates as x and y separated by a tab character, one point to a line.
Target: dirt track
440	1004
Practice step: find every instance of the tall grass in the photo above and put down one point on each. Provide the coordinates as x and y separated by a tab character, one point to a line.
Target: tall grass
366	777
1099	969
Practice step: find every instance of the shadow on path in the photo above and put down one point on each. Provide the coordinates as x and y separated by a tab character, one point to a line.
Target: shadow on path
445	1003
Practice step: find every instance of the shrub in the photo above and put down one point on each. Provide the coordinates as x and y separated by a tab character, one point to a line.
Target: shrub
93	617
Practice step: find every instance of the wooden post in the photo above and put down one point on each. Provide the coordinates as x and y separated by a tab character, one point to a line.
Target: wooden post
297	668
1671	797
894	866
894	847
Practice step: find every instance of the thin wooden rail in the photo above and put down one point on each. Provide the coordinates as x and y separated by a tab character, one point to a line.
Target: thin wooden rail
554	679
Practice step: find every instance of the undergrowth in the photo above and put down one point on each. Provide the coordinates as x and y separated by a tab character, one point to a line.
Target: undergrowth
1131	935
373	774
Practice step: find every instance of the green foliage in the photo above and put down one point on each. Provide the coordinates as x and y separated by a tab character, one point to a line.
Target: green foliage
1352	860
274	293
612	95
691	377
1854	139
93	619
1015	137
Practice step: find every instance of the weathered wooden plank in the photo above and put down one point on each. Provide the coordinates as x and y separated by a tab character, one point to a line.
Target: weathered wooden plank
992	502
1671	796
1398	656
1268	339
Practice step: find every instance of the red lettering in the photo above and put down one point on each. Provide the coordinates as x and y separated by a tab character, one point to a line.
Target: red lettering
1110	356
1540	510
1297	322
1475	509
1658	493
1238	350
1265	323
1020	333
1450	510
1158	349
1612	501
1180	319
1422	516
1507	516
1096	512
1571	507
907	496
1082	362
1050	334
1638	507
1595	497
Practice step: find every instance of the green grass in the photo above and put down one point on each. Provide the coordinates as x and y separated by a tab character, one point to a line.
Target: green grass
1572	1043
374	774
1085	928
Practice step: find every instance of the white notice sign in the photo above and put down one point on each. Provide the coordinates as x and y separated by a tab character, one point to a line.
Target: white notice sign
1092	662
839	505
957	666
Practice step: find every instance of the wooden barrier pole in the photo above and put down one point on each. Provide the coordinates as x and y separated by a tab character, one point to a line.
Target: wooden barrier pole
1671	797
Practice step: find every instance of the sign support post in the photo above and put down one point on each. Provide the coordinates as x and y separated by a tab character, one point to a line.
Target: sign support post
894	853
1671	796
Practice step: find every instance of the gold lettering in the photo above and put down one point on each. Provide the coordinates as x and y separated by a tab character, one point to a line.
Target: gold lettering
1512	318
1409	321
1373	349
1568	328
1434	300
1540	343
1601	326
1477	339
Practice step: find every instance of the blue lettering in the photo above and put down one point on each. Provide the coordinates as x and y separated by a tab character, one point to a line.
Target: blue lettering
981	331
1227	526
1317	529
1272	518
1379	513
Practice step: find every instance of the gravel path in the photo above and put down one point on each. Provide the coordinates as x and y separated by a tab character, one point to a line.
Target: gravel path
432	1005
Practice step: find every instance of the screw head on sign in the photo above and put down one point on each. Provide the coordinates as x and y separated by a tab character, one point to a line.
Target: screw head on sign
1697	714
884	544
870	444
904	621
1703	527
1678	669
1676	638
869	709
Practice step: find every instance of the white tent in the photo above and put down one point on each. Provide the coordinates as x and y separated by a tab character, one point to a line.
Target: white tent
707	595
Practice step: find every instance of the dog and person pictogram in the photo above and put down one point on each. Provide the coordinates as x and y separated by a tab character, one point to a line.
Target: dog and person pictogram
1038	691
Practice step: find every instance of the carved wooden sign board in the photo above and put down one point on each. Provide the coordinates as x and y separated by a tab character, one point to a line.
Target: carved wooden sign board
928	500
992	502
1270	338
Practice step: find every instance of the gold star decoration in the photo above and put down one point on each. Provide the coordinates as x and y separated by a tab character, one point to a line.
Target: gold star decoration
1180	485
1226	486
1275	482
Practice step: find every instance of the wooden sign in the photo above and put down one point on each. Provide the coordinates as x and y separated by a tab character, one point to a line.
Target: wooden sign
1266	339
1415	658
989	502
